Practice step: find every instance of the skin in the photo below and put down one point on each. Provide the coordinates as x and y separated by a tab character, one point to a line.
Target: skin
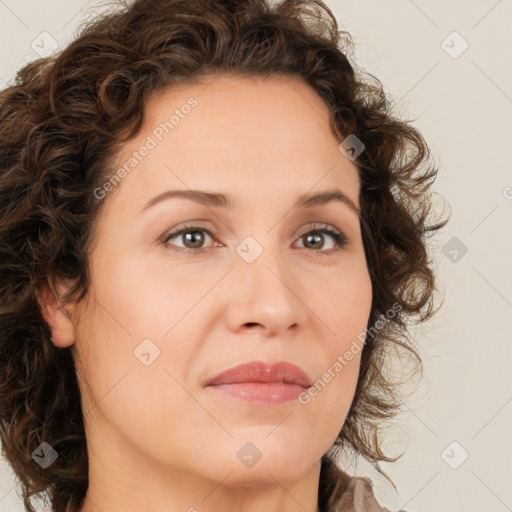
158	439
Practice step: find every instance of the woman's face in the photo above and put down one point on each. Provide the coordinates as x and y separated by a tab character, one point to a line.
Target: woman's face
251	280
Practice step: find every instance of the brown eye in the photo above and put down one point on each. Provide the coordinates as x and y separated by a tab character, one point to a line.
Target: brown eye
315	239
193	238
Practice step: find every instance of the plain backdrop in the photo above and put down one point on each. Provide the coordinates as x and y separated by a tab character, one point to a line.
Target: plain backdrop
446	64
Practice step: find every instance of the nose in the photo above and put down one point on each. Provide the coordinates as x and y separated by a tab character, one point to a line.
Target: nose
267	295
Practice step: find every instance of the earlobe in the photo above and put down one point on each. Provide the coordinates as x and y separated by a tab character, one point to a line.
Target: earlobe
57	317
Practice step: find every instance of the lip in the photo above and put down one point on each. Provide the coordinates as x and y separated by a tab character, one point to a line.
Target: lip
258	371
262	383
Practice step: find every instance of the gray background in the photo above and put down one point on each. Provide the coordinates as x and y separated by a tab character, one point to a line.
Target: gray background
461	100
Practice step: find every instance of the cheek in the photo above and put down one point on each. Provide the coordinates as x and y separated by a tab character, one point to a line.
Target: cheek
119	389
132	304
344	304
347	315
148	297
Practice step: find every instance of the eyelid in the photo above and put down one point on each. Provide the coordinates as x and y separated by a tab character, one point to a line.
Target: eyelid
190	226
319	226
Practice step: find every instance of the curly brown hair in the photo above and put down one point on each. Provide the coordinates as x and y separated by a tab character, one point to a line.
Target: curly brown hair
62	119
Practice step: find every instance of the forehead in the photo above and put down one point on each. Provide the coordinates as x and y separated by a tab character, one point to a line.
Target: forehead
258	136
236	110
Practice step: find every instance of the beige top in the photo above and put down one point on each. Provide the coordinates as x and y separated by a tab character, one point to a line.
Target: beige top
352	494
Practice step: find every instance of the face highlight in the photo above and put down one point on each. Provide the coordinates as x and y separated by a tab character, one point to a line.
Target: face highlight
235	238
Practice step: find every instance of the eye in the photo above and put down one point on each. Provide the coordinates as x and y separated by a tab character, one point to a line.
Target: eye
316	237
193	238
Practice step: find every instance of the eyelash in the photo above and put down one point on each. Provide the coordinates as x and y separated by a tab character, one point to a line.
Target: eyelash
341	239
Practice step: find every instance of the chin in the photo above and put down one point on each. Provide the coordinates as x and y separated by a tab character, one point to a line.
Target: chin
286	470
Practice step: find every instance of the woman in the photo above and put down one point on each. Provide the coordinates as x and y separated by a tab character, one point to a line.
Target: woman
212	240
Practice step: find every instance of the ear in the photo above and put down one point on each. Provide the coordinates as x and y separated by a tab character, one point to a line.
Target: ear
56	315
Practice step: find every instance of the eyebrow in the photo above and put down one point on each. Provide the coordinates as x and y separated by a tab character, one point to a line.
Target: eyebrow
219	200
